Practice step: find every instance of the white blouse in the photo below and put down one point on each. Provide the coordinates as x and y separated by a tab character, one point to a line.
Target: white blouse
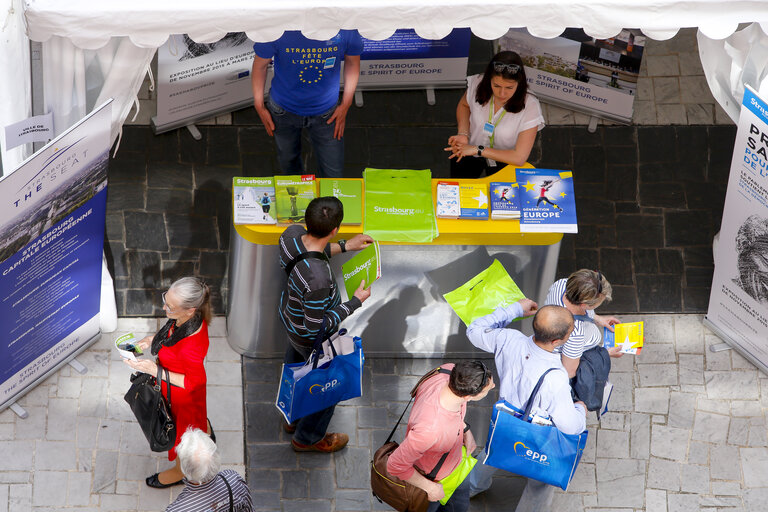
508	128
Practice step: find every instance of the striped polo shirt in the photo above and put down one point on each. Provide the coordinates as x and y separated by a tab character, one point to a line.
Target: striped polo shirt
311	294
213	495
579	340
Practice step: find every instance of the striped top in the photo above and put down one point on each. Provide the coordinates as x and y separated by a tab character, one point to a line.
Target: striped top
213	495
311	294
577	342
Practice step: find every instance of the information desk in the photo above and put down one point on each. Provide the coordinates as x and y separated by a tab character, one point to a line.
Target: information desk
406	315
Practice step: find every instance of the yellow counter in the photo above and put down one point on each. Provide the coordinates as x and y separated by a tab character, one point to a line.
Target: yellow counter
452	231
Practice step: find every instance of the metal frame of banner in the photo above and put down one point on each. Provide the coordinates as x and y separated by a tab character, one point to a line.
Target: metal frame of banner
732	344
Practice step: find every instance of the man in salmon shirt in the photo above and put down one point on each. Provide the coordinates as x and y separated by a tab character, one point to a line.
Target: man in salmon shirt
436	429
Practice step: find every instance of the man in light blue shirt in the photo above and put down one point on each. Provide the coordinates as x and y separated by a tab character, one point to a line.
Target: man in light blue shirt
520	362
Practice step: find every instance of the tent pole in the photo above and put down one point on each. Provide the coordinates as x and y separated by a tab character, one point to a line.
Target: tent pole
38	99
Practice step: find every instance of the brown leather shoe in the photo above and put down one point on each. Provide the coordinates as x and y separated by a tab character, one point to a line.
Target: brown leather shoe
332	442
289	428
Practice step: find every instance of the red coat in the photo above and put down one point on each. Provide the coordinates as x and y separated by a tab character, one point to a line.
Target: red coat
188	405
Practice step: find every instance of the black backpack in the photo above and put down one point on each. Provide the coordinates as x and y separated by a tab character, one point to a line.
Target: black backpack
589	383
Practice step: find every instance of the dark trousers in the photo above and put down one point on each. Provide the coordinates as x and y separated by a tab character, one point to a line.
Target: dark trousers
309	429
473	167
459	501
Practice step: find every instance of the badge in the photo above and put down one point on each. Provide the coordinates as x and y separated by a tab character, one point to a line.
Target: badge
488	128
329	62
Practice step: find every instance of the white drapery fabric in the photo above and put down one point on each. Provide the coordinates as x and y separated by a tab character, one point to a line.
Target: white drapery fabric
77	80
15	81
729	63
149	22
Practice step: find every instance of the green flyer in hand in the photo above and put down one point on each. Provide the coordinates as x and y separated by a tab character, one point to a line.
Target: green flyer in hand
483	294
398	205
366	264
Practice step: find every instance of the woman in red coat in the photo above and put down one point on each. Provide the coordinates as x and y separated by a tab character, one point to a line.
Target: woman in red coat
181	346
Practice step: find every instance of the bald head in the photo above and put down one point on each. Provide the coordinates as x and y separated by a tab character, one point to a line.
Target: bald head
552	323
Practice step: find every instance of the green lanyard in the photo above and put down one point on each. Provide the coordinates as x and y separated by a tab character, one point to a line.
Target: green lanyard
490	121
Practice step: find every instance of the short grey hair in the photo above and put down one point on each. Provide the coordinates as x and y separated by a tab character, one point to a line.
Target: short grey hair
199	460
193	293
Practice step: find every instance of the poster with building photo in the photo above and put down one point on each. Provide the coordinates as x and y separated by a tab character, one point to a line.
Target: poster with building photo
52	216
197	81
738	302
575	71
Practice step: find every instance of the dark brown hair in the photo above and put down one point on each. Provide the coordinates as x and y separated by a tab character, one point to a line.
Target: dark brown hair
484	92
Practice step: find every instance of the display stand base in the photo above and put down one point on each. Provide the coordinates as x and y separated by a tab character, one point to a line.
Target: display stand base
719	347
78	367
19	410
194	132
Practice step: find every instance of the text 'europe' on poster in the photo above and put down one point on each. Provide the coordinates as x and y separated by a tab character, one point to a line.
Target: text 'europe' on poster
596	76
52	215
738	303
197	80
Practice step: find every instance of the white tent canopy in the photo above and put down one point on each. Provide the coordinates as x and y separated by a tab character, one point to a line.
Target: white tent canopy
148	23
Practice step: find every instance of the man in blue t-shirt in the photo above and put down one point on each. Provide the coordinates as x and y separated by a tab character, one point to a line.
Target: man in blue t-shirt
305	94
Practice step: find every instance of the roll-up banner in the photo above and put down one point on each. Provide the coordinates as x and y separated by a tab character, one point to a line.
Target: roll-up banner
407	61
199	81
52	216
575	71
738	302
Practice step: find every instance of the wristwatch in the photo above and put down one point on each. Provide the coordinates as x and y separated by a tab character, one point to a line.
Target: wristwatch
480	150
343	245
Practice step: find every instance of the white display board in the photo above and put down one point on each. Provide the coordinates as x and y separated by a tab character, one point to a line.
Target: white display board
199	81
575	71
738	303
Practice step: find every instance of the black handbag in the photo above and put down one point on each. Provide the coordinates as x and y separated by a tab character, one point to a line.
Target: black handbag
145	397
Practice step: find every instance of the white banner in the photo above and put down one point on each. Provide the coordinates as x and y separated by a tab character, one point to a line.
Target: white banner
738	303
33	129
197	81
595	76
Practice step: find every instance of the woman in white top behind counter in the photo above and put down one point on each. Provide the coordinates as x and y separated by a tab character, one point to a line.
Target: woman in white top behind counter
497	120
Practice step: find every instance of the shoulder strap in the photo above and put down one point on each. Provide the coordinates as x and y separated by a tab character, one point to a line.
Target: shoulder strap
229	489
303	256
529	405
428	375
159	381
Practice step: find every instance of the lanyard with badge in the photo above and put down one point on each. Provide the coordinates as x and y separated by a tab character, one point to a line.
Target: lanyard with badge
490	126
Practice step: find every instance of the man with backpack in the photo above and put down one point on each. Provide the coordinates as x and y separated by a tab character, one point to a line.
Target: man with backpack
311	306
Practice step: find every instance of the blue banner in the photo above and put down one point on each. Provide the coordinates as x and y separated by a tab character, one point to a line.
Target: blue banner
53	210
405	44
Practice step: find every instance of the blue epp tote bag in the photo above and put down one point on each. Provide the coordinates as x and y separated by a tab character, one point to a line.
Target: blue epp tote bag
323	386
540	452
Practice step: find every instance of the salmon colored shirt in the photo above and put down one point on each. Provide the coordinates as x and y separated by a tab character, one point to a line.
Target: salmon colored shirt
432	431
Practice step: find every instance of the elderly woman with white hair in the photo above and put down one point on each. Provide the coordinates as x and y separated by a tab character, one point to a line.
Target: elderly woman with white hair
181	346
207	488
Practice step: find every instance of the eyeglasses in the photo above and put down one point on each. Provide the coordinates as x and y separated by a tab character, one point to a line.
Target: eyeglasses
599	282
501	67
170	309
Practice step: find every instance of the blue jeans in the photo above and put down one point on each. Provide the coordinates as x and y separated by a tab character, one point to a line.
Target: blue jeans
288	127
459	501
309	429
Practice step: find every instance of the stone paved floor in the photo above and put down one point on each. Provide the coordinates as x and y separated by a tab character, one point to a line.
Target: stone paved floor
687	433
81	450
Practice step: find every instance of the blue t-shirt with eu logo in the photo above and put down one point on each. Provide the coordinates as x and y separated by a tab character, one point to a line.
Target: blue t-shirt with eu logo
308	71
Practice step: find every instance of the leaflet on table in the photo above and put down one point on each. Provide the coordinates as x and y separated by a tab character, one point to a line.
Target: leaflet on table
473	200
505	200
448	200
628	335
365	265
547	201
350	193
127	346
253	199
292	196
